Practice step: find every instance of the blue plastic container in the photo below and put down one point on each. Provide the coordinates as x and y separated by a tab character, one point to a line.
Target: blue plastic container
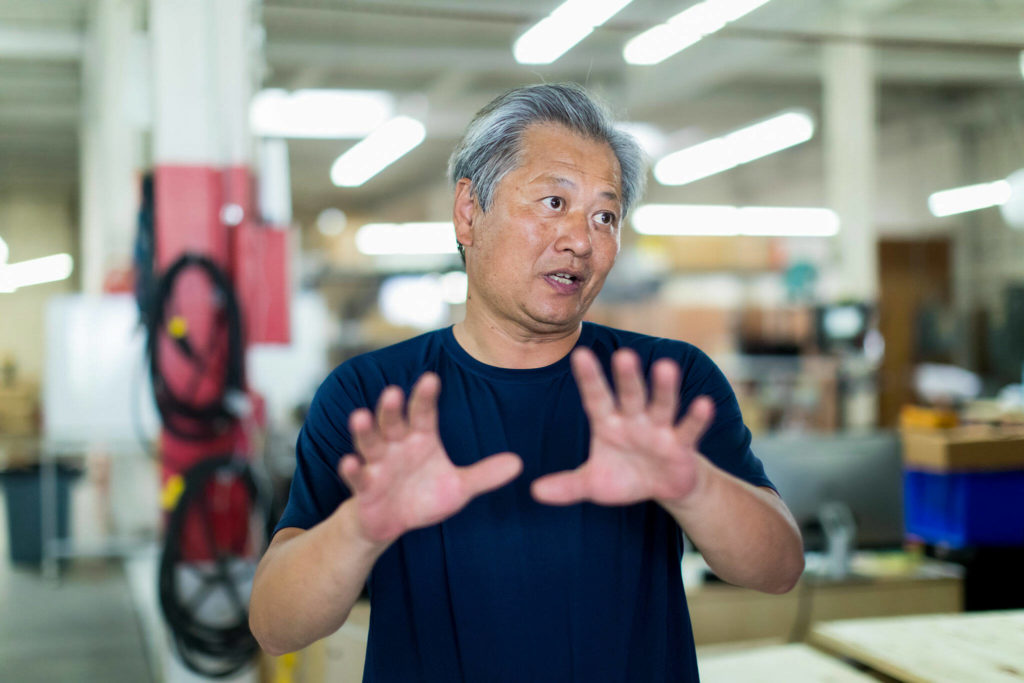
965	508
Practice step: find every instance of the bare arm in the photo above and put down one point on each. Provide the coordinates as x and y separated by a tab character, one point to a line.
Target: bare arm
401	479
293	603
637	453
745	533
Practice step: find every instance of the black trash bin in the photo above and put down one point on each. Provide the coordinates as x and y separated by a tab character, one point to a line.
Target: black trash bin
23	491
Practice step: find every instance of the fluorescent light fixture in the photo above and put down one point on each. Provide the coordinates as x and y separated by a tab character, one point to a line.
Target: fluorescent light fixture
739	147
648	136
568	24
969	198
413	301
377	239
684	29
377	151
727	221
35	272
327	114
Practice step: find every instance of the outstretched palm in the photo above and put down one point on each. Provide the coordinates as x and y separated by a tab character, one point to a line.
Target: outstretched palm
637	450
402	477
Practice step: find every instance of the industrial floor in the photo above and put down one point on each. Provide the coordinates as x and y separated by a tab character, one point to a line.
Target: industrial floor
80	629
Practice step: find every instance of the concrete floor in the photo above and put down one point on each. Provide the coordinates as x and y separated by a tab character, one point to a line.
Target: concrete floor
80	629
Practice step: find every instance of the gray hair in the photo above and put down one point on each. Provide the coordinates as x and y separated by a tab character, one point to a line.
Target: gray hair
492	144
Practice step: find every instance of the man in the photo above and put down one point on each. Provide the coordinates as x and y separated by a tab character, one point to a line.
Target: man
518	520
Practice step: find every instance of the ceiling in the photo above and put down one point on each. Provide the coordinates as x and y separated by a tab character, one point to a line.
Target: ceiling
454	55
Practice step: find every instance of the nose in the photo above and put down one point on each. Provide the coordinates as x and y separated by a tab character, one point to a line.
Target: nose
574	234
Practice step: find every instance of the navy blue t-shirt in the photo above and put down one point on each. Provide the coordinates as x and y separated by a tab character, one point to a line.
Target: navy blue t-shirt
509	589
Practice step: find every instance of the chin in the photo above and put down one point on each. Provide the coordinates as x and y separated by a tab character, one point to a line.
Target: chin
558	322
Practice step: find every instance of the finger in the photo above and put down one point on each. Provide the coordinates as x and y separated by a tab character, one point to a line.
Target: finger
352	472
490	473
594	392
696	421
392	424
629	383
365	436
560	488
423	403
664	391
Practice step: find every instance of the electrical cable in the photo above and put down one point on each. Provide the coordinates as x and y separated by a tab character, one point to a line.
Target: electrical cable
145	248
212	649
185	416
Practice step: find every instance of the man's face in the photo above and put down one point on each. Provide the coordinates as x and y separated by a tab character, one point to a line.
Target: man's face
541	253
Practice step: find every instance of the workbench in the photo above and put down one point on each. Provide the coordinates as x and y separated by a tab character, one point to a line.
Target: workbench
778	664
953	648
881	584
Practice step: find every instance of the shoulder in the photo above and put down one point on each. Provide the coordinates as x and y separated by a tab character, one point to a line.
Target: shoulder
400	364
606	340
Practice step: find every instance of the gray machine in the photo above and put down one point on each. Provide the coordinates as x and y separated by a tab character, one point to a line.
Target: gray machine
819	475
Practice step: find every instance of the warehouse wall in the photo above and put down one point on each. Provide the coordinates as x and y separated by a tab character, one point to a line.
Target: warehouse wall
34	222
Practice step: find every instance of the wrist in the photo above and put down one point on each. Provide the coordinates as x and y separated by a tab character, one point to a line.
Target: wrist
355	539
704	479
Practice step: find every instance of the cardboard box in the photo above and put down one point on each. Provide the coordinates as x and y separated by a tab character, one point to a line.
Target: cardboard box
975	448
19	409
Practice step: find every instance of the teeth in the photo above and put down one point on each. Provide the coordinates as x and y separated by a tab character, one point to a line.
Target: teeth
563	278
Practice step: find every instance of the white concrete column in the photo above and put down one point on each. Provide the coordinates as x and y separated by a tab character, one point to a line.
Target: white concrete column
204	57
109	139
185	94
850	161
234	26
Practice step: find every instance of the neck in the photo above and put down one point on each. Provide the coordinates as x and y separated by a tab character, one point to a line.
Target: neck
507	347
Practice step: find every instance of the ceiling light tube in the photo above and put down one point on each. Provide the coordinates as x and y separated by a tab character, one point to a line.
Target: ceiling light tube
35	272
323	114
568	24
377	151
380	239
739	147
969	198
728	221
684	29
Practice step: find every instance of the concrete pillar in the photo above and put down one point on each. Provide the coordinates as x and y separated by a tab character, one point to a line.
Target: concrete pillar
110	139
203	68
850	160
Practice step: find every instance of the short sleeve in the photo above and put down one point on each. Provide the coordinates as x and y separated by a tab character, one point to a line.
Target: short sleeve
317	489
727	441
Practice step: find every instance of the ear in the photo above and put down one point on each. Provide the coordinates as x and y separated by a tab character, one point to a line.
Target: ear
464	211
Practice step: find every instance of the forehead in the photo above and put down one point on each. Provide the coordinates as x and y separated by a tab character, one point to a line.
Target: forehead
549	149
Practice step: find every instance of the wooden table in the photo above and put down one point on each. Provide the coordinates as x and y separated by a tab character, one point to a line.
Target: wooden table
958	648
885	584
778	664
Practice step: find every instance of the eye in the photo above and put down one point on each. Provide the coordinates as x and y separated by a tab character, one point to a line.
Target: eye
606	218
556	203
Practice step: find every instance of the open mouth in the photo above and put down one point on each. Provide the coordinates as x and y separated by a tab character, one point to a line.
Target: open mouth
565	281
563	278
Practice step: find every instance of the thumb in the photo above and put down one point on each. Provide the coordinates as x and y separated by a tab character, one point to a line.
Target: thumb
490	473
560	488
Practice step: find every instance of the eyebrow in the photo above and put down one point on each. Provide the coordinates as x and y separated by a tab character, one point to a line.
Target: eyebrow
565	182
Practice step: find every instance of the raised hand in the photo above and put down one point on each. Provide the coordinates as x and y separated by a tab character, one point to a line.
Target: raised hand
637	450
402	478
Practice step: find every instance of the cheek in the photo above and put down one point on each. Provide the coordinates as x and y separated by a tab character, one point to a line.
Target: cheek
607	246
